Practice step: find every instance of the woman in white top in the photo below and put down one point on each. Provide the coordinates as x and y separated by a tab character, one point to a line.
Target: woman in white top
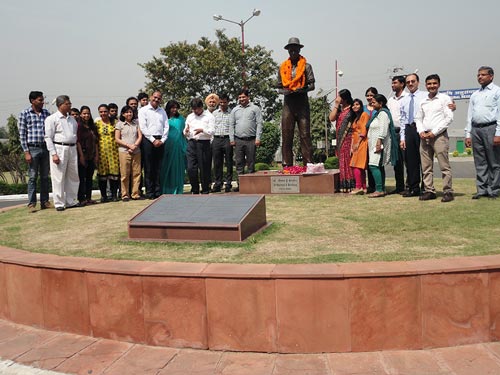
379	143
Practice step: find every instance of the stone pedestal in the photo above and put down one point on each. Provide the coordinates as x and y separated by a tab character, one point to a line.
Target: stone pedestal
271	182
200	218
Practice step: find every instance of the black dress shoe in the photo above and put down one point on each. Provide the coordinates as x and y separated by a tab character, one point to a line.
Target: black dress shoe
236	189
59	209
412	193
447	197
477	196
216	189
395	191
228	189
427	196
205	192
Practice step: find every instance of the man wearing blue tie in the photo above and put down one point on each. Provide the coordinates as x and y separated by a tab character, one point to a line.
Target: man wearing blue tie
483	134
410	140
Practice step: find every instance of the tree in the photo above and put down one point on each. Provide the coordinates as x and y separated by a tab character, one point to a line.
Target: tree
270	141
12	159
13	144
184	71
3	133
319	121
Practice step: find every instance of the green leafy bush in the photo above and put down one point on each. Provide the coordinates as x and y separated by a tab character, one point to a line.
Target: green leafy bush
269	143
468	151
455	153
9	189
262	167
332	163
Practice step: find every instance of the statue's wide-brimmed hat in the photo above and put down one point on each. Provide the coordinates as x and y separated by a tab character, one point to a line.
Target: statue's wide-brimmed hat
293	42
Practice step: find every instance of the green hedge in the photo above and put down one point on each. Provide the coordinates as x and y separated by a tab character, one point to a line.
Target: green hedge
262	167
9	189
332	163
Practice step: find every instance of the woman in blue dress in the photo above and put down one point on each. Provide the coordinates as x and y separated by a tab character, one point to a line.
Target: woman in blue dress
174	156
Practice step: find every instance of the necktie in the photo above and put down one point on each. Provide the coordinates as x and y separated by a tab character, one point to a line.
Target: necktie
411	110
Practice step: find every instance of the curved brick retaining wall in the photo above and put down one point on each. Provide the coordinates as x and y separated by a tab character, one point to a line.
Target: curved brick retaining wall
263	308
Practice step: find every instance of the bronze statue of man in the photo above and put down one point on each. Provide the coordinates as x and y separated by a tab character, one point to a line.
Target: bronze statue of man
296	79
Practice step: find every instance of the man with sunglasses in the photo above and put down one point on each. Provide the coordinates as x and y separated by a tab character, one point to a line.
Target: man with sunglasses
410	139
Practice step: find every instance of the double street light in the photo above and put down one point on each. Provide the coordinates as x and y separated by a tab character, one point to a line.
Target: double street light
241	24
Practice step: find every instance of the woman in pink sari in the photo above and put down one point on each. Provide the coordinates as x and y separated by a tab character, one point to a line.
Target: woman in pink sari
343	115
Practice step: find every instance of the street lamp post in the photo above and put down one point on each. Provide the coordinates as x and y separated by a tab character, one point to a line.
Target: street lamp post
241	24
338	73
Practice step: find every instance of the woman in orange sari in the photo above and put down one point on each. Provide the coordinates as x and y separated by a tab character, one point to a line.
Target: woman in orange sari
359	147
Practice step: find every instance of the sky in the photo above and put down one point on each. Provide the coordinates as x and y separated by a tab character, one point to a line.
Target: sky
90	49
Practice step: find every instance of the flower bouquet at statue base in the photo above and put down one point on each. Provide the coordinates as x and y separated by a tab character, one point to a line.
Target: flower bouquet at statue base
318	168
293	169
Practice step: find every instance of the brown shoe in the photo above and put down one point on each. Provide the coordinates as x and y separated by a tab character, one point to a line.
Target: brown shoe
357	192
427	196
447	197
376	194
45	205
31	207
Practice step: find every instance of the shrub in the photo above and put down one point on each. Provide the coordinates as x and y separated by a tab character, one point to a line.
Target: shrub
468	151
262	167
455	153
269	143
332	163
9	189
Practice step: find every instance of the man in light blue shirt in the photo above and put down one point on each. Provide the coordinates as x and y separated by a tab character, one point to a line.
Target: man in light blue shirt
483	134
244	132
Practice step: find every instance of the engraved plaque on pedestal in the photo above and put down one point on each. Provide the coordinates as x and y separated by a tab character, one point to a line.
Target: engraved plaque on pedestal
285	184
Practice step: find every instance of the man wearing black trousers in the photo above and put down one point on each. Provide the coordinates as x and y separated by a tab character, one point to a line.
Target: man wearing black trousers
410	140
199	130
222	151
153	122
394	105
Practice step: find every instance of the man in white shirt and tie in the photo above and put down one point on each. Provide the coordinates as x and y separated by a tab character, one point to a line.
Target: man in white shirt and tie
410	140
153	122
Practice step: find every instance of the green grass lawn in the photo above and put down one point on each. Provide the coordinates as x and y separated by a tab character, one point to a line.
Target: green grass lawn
305	229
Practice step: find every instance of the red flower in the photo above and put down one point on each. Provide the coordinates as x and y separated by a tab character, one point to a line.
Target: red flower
294	169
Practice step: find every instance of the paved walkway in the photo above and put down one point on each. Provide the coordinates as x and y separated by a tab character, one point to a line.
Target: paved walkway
26	350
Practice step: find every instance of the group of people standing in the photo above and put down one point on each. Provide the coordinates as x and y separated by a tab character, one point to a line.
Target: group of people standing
408	129
366	140
411	129
120	145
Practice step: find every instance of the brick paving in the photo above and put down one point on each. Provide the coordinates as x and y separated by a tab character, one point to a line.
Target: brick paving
29	351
